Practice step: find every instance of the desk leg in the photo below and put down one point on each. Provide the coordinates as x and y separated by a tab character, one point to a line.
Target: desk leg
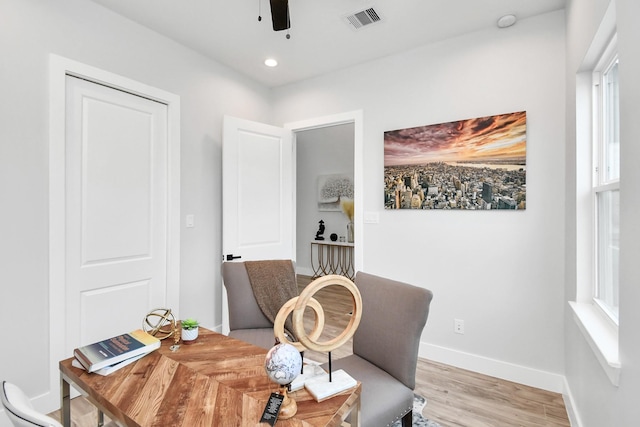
65	402
355	414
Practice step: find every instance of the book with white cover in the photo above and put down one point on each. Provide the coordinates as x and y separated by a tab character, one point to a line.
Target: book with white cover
321	389
111	368
116	349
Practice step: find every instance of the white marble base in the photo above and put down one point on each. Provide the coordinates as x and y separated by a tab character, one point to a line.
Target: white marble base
310	371
321	389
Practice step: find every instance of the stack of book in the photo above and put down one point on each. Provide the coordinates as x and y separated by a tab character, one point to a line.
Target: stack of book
106	356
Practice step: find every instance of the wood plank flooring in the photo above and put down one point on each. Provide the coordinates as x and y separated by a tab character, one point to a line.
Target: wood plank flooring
455	397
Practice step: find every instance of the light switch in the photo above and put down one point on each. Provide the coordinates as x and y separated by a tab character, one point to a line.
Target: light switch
191	221
371	217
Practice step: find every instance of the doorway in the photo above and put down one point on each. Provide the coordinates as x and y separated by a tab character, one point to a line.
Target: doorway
244	132
321	153
356	119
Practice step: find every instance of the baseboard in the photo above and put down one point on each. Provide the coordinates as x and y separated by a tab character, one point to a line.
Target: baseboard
569	403
495	368
217	328
304	271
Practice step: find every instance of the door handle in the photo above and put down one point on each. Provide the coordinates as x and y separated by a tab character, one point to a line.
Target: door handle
231	257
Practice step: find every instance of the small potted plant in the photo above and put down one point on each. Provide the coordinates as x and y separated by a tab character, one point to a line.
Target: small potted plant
189	330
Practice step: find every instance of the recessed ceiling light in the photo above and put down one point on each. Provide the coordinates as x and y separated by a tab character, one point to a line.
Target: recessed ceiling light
270	62
506	21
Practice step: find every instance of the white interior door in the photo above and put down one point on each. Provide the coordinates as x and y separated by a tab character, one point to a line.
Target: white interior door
116	210
258	195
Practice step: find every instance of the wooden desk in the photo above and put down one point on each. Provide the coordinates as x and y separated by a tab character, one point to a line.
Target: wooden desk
329	257
217	381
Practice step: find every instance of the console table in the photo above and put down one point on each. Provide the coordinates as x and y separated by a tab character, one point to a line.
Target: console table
329	257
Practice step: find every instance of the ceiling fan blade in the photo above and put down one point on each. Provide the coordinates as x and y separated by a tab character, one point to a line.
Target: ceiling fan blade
280	14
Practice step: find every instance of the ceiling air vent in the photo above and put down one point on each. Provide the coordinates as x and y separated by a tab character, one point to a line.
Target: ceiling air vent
363	18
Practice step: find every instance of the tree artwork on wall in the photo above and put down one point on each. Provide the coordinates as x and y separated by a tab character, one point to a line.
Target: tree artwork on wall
332	189
473	164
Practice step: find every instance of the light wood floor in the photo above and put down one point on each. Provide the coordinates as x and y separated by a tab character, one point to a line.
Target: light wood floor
455	397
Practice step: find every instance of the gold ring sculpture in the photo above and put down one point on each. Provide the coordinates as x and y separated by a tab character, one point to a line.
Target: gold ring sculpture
297	305
306	299
278	324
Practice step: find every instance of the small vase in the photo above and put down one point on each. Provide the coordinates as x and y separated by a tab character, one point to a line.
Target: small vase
350	232
189	335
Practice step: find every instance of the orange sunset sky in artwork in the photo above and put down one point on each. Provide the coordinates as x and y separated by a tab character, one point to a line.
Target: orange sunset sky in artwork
493	139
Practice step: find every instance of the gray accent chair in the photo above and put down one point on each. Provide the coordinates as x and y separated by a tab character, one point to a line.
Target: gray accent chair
385	348
247	322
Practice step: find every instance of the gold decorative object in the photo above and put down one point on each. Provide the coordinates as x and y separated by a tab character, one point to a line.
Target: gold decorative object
176	338
160	323
304	300
347	208
278	324
310	341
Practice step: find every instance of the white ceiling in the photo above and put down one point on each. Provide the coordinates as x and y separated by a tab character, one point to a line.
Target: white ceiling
321	39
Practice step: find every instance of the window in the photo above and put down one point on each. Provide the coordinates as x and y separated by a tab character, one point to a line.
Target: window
597	203
606	182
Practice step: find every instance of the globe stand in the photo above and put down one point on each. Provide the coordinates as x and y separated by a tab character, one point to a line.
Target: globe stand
289	406
282	365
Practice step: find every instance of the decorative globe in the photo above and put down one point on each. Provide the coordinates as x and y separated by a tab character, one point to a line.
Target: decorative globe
283	363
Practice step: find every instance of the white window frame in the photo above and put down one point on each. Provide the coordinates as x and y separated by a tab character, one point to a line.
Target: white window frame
597	327
601	183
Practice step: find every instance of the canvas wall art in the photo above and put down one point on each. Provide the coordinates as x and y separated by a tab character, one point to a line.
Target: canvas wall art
332	190
473	164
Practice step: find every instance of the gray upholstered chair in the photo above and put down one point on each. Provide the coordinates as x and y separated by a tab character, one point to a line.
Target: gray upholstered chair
247	322
20	411
385	348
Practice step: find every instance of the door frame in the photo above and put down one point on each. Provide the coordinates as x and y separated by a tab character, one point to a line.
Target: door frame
357	118
59	68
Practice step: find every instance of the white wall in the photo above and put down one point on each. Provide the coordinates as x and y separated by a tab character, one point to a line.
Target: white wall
501	272
596	401
320	151
80	30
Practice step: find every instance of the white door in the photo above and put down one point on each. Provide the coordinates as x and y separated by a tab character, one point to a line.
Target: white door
257	191
258	203
116	210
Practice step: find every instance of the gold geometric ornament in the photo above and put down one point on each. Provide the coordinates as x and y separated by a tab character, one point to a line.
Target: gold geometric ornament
160	323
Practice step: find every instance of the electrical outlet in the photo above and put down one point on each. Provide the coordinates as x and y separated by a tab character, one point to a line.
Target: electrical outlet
458	326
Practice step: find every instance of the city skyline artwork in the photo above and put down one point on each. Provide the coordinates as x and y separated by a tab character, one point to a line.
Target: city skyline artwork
472	164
